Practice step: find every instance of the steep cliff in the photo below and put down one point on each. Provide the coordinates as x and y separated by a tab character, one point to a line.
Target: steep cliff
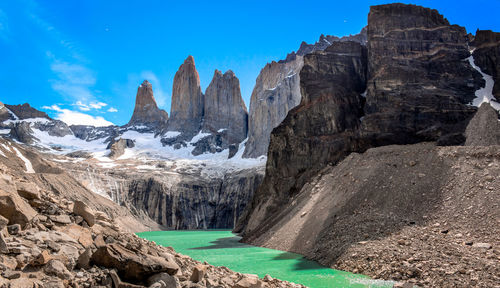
418	85
176	200
224	108
277	91
419	80
487	56
316	132
146	112
186	112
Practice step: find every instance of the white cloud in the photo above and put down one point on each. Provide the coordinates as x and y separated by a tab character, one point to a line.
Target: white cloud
98	105
112	109
71	117
73	80
93	105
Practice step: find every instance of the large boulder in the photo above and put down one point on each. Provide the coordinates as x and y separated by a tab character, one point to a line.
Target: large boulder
15	208
81	209
131	266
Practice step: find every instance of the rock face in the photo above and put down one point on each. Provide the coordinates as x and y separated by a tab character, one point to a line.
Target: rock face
419	82
25	111
318	130
484	128
487	56
146	112
224	108
179	201
186	112
66	243
277	91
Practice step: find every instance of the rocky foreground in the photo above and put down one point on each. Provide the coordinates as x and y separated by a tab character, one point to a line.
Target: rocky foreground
49	240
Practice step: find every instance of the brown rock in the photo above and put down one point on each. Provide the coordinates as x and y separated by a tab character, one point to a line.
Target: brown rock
249	282
57	268
81	209
165	281
131	266
61	219
198	273
99	241
15	209
42	258
146	112
28	190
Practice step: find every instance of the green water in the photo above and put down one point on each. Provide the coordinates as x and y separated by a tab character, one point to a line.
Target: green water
221	248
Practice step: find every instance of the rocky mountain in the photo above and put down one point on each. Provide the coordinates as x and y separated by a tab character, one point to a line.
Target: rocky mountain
224	108
132	167
186	112
415	81
56	233
146	112
277	91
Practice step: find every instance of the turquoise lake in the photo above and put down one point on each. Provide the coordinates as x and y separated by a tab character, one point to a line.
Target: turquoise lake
221	248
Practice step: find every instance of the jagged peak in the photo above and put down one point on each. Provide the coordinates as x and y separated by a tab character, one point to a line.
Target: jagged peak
146	83
189	60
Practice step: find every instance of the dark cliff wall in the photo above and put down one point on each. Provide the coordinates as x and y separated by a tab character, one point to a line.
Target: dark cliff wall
418	86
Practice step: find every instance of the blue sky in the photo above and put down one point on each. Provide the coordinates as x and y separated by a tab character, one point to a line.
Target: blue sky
71	58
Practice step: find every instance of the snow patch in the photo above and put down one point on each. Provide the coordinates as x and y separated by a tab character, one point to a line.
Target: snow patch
484	94
364	94
198	137
29	120
4	131
145	167
27	162
221	130
171	134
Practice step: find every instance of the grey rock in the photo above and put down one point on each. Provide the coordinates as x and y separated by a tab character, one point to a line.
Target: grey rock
56	268
484	128
224	108
186	112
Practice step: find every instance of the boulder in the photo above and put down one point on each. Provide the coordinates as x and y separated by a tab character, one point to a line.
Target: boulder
28	190
57	268
198	273
249	281
42	258
81	209
164	280
15	208
132	266
484	128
